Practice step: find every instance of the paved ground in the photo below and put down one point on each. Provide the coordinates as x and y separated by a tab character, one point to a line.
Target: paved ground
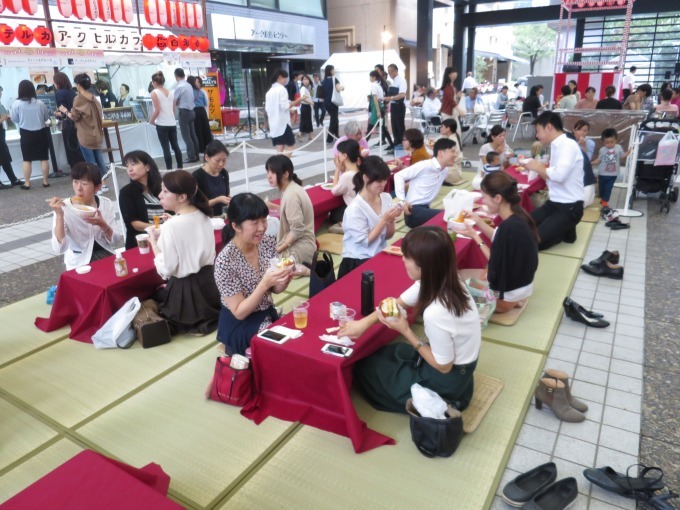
627	373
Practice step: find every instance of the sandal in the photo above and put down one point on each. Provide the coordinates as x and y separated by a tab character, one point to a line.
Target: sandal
660	501
638	488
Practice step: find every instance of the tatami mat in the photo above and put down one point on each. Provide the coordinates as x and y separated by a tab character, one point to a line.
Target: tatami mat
330	242
19	334
36	467
578	249
536	327
204	446
316	469
20	433
70	381
591	214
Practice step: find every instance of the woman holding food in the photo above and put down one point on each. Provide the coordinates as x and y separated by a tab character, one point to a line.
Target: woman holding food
453	336
496	143
184	255
244	274
84	236
513	254
370	218
296	233
138	200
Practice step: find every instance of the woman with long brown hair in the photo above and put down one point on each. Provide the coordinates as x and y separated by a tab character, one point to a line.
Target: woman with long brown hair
184	255
513	254
64	96
453	334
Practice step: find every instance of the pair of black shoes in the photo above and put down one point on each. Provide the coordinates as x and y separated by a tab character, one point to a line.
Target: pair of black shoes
579	314
535	490
605	265
612	219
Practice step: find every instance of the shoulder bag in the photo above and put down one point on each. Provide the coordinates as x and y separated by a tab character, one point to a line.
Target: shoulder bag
322	273
152	329
435	437
336	98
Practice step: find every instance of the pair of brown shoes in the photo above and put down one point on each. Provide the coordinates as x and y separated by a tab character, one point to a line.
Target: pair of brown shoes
553	390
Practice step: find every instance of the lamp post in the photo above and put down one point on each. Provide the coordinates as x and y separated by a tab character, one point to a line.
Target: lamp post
386	36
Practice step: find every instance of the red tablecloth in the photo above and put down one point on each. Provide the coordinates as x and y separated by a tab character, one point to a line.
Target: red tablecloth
87	301
90	480
323	202
406	161
297	382
535	185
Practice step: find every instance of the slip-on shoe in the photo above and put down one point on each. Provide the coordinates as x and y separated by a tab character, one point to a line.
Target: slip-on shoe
608	256
525	486
556	497
618	225
607	269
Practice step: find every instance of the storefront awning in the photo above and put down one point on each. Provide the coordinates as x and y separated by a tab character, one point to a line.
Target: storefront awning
500	56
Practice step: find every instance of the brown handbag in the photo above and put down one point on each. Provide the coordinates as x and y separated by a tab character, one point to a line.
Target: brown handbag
152	329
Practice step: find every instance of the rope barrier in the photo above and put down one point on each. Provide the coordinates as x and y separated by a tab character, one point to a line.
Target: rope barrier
42	216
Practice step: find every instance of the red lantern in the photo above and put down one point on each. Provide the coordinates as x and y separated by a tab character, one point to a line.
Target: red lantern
203	44
191	16
65	8
193	43
79	9
162	7
104	7
116	10
172	13
128	11
6	34
12	5
43	36
161	42
149	41
181	14
24	35
150	12
173	43
198	16
92	9
183	42
30	6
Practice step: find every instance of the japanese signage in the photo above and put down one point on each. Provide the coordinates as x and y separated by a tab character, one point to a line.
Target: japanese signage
250	29
186	60
83	36
123	115
214	110
50	57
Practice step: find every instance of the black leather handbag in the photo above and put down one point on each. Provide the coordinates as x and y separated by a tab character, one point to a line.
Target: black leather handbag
322	273
436	437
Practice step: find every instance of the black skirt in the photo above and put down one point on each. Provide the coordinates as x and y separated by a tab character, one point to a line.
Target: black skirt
192	303
35	144
306	125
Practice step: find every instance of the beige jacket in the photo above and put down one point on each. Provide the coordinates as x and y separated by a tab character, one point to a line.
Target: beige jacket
87	114
297	223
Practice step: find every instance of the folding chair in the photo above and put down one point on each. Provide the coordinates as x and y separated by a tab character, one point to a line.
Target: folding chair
417	116
519	119
496	117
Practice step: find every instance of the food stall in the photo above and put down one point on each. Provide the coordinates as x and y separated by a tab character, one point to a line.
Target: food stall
122	42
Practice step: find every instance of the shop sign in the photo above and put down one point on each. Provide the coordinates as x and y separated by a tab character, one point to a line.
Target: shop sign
186	60
214	110
29	57
68	35
250	29
122	115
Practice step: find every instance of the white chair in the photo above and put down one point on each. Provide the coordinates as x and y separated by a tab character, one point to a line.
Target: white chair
519	119
417	116
496	117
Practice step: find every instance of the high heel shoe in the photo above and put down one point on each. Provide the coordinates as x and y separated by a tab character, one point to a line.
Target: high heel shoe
552	393
568	302
607	256
564	378
573	311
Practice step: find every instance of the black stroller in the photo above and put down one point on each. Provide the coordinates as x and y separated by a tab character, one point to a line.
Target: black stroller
648	177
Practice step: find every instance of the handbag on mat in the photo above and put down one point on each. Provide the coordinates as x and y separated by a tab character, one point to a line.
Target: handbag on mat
321	274
336	98
152	329
230	385
435	437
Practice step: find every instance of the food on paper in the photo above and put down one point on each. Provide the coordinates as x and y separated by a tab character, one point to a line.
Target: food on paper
286	262
389	307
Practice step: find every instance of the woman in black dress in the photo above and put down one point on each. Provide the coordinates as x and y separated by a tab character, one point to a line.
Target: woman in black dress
213	179
138	200
64	95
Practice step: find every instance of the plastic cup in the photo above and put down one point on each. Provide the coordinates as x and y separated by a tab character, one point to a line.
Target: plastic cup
143	243
347	317
300	314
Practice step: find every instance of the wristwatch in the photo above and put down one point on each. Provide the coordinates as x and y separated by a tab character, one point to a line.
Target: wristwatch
421	343
481	243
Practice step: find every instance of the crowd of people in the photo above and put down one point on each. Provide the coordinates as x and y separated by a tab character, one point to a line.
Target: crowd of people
231	292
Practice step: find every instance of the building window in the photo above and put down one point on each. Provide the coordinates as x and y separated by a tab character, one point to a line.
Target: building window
265	4
306	8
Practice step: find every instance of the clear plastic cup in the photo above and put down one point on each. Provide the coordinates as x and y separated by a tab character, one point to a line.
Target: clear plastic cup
347	317
300	314
143	243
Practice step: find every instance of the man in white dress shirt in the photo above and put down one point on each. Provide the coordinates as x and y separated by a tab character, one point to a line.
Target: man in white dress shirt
557	218
431	105
396	93
469	82
424	179
628	82
278	105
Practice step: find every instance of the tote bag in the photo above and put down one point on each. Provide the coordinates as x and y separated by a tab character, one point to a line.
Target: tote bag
336	99
322	273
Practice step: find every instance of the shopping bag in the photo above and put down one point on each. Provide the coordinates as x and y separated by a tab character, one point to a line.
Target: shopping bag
322	273
667	150
455	201
483	297
118	332
336	98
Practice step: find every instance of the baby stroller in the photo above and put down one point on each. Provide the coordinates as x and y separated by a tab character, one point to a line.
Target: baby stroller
650	178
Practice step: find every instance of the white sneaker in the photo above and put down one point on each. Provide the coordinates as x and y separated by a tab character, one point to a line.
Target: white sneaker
336	229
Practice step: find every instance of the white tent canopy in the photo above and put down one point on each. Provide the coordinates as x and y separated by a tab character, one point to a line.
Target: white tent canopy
351	70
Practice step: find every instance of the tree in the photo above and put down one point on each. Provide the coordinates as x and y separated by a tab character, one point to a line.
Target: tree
481	65
534	42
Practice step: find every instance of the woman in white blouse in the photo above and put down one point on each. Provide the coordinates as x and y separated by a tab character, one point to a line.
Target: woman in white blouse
453	336
184	255
370	218
346	167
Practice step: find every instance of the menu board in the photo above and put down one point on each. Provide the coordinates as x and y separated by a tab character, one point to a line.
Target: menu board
123	115
50	101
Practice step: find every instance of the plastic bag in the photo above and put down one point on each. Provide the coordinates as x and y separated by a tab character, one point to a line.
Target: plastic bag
484	299
667	150
118	332
428	403
456	201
